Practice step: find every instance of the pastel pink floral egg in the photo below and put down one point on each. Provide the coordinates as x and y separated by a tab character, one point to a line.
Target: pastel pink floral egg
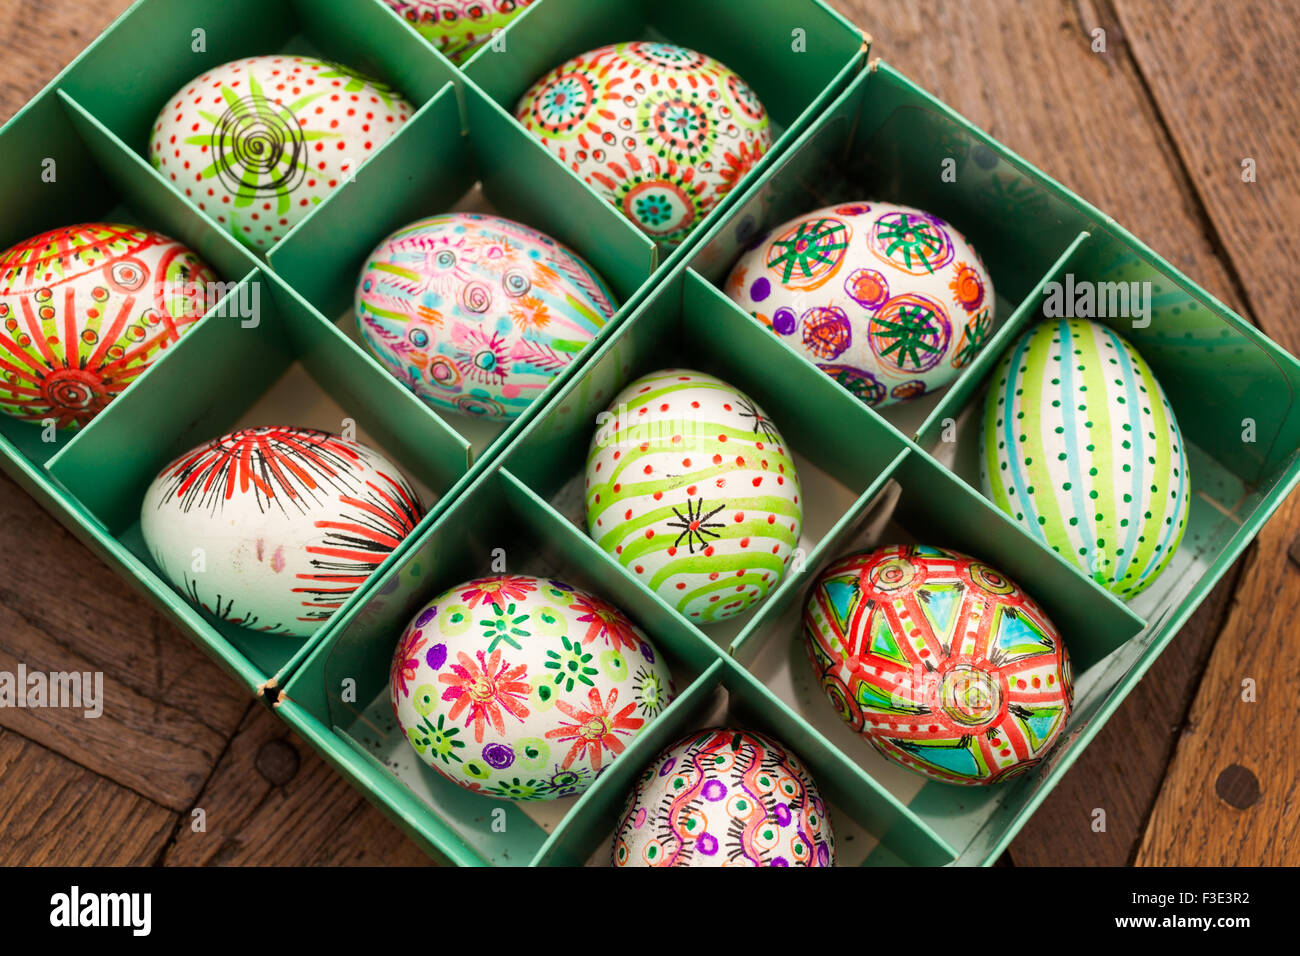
524	688
257	143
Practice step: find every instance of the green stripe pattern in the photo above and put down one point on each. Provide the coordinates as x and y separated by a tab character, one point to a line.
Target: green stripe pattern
691	487
1080	445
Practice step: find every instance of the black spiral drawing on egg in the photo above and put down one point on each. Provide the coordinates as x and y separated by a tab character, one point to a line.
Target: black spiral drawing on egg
259	148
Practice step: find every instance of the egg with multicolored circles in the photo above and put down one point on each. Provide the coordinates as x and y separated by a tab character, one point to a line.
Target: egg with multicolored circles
477	314
524	688
661	131
1081	446
257	143
86	309
888	300
458	27
691	487
943	664
274	528
722	797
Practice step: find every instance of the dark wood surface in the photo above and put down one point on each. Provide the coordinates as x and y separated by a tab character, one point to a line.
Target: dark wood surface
182	769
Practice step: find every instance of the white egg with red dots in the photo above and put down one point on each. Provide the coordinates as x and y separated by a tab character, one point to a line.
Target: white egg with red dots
257	143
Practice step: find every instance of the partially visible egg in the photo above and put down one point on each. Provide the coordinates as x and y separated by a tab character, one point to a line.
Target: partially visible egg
524	688
476	314
86	309
940	662
723	797
691	487
258	143
274	528
888	300
1081	446
458	27
660	131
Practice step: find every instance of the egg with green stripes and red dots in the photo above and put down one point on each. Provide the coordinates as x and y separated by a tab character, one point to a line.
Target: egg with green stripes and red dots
690	485
942	663
1081	446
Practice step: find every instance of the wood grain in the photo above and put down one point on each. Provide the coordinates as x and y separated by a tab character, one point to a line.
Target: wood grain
1224	76
1197	820
55	813
40	37
272	800
167	711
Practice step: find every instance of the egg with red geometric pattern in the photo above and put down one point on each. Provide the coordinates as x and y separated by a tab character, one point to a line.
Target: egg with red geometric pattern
942	663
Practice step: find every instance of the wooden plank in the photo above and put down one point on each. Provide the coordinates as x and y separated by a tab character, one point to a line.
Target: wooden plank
1232	784
1123	767
1024	70
1231	792
272	800
1211	68
55	813
167	709
39	39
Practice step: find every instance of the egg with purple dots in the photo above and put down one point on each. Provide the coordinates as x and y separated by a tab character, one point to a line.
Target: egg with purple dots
725	797
888	300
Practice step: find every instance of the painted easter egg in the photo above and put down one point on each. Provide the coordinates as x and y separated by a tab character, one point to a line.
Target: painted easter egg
722	797
476	314
1080	445
86	309
889	301
524	688
458	27
660	131
691	487
274	528
258	143
941	663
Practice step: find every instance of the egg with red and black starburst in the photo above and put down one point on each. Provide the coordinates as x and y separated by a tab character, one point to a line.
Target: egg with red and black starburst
274	528
661	131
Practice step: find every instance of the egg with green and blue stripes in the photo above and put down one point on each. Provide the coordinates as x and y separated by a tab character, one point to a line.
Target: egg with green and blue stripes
1080	445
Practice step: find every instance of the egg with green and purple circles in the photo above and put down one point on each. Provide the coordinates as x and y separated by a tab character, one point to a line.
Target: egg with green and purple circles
690	486
890	301
1081	447
476	314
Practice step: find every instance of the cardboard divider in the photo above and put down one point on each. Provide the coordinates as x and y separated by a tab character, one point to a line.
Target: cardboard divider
68	170
689	324
793	55
884	141
429	167
181	41
127	77
497	525
250	361
933	507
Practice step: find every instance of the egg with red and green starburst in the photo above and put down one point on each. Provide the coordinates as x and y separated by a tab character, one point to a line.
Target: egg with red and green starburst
524	688
661	131
690	486
888	300
85	310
